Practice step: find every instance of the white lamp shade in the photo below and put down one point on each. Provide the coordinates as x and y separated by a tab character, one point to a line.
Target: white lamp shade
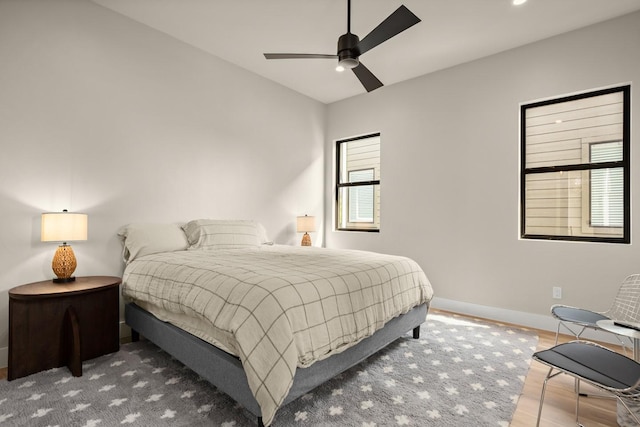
306	224
63	227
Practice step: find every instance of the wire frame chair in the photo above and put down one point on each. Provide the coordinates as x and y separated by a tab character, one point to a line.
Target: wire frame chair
625	307
594	364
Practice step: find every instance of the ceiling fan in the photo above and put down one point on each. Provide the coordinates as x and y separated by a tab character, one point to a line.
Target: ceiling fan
350	47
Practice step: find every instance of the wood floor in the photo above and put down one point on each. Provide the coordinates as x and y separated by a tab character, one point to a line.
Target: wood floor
559	406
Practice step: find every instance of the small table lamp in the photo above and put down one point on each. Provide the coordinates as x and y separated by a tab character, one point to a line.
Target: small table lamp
306	224
63	227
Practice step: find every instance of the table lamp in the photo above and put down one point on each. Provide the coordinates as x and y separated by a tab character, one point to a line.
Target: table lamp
63	227
304	225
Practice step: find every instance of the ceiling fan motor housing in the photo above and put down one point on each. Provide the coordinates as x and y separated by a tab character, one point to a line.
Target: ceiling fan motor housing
348	51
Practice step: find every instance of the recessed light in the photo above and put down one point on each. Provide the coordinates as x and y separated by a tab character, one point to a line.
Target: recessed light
519	2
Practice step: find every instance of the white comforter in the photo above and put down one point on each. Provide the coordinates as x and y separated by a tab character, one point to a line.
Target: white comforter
278	307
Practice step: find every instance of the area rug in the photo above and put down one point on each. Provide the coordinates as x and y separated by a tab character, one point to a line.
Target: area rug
460	372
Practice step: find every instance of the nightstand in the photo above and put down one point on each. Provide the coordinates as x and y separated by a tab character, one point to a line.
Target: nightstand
58	324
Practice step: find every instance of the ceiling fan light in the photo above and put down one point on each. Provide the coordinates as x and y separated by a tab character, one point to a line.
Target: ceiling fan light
339	68
348	63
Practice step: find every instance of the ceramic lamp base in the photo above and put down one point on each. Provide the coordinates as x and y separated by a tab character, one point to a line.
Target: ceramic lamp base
64	264
306	240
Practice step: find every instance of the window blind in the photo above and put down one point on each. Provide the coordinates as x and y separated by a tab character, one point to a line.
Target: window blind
607	196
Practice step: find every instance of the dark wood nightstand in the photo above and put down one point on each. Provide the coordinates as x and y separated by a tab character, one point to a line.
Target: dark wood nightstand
58	324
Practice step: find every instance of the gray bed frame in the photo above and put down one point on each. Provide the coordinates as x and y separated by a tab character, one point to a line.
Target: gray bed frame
225	371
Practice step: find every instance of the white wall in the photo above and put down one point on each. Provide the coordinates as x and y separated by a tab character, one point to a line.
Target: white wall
450	175
102	115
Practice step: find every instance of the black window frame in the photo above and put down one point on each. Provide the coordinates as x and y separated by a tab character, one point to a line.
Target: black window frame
625	163
341	185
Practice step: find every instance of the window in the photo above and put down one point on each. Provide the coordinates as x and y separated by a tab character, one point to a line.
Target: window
575	167
361	197
606	195
358	183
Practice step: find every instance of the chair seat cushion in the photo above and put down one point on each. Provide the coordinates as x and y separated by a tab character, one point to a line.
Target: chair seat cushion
577	315
595	364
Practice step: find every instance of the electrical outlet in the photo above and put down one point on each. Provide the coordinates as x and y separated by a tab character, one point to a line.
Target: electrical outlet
557	292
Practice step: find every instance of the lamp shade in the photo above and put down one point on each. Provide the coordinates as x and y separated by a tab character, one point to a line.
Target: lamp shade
306	224
63	227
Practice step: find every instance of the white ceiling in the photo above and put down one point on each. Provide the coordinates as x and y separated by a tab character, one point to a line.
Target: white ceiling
451	32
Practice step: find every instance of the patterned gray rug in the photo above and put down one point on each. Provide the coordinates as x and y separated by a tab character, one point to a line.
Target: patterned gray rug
460	372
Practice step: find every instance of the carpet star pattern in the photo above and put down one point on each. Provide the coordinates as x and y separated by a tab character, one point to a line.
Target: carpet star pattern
458	373
461	372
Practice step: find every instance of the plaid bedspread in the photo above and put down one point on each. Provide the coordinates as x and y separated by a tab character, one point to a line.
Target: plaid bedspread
284	306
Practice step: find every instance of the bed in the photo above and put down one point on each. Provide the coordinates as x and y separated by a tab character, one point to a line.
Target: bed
264	323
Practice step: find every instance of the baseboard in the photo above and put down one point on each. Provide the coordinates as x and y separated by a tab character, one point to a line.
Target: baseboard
4	357
528	320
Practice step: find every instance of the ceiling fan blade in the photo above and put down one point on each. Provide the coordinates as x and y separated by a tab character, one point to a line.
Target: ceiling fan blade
366	77
298	56
395	23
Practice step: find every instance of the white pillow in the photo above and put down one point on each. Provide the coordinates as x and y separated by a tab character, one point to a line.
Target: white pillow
213	234
143	239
